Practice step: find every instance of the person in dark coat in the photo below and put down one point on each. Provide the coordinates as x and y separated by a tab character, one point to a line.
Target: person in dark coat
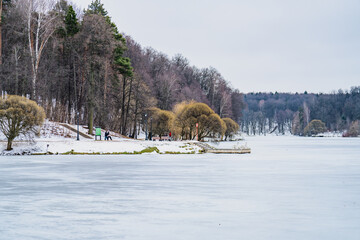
107	135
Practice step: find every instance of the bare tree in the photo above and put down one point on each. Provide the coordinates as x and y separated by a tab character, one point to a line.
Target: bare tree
306	114
225	101
17	57
41	25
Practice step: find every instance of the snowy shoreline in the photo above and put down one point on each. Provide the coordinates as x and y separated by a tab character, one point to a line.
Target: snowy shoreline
92	147
57	139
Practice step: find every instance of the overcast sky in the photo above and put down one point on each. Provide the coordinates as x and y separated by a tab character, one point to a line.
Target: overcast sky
257	45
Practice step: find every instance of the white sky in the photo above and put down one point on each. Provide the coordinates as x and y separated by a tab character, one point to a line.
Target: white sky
257	45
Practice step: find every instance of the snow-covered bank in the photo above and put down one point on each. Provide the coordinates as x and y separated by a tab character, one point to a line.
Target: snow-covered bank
88	146
57	139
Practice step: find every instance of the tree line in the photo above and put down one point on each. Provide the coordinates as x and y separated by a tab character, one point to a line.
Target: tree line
286	112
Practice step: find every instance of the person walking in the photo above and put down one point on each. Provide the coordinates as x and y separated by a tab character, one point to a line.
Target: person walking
107	135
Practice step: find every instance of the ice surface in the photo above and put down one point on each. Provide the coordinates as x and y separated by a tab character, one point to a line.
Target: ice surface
287	188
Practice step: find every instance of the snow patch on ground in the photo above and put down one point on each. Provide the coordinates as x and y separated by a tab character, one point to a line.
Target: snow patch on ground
57	146
55	138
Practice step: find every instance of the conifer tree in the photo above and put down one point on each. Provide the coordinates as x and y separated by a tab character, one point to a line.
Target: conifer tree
96	7
120	63
71	22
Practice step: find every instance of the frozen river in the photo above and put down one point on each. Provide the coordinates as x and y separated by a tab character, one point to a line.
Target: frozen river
288	188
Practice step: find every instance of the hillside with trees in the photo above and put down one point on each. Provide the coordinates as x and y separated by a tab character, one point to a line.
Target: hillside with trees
78	66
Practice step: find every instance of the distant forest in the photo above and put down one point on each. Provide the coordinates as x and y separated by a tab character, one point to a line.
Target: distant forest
286	112
77	65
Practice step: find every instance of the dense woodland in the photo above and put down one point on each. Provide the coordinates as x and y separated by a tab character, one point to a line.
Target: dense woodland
285	112
78	66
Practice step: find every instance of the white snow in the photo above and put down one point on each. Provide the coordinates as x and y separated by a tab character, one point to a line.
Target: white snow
287	188
55	138
91	146
58	139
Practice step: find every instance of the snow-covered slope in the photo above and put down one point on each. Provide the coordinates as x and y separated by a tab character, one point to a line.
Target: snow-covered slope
57	139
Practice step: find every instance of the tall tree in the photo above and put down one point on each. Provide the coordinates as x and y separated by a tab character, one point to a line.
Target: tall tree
71	28
41	26
237	104
120	63
71	22
123	67
2	4
97	46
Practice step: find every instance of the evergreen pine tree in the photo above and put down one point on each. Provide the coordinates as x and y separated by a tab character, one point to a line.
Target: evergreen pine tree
71	23
96	7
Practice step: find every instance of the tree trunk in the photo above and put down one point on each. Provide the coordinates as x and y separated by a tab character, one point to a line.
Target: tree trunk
1	7
69	95
123	106
33	97
40	29
16	70
82	82
128	106
91	104
9	144
135	118
104	110
134	135
77	110
91	118
105	81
